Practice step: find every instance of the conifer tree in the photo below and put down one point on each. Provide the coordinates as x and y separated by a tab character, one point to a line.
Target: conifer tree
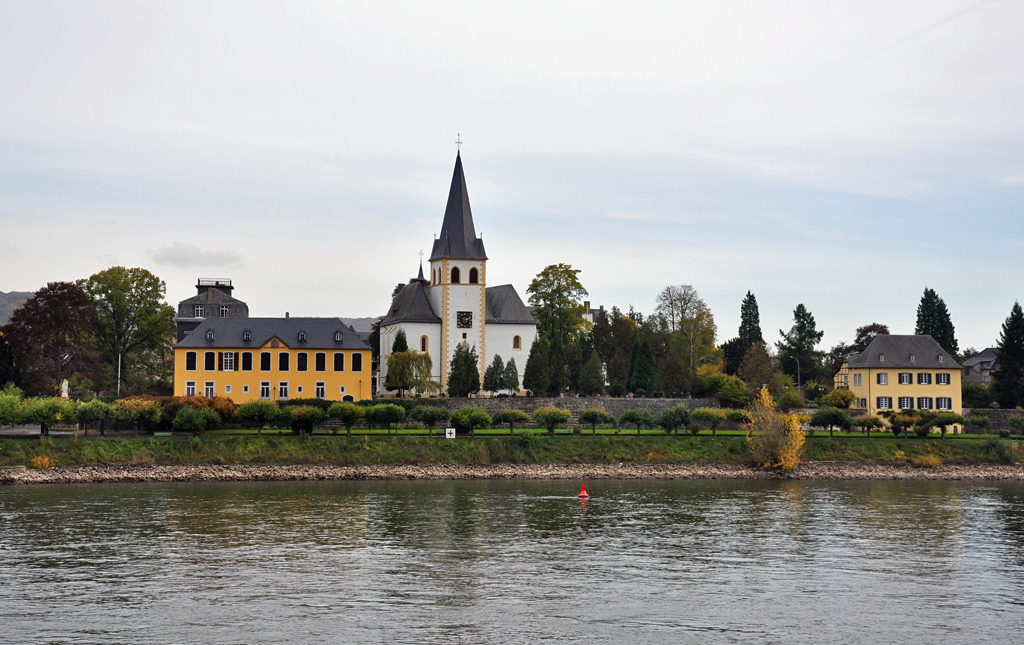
535	378
617	375
1008	379
494	376
750	322
800	343
558	374
400	344
642	369
463	374
510	379
591	377
933	319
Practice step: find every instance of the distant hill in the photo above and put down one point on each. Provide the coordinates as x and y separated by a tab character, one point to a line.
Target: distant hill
9	301
360	324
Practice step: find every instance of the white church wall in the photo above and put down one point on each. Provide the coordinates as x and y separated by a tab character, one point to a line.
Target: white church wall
414	332
499	338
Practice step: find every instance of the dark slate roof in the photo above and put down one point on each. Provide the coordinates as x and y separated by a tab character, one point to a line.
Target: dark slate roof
898	350
985	356
228	333
412	304
458	236
505	306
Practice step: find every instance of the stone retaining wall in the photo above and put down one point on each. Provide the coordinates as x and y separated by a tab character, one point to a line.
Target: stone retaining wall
1000	418
614	406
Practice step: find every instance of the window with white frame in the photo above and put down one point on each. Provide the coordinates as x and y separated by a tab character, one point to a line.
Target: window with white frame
246	361
924	378
302	362
190	361
906	403
210	361
298	390
209	389
264	361
341	390
209	334
924	403
320	362
883	403
357	362
943	403
862	403
339	362
224	310
857	380
282	389
190	388
883	378
229	361
321	390
246	335
199	311
264	389
245	389
942	378
227	389
906	378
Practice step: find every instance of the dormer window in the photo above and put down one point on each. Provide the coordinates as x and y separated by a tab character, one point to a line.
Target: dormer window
209	334
246	335
881	358
912	358
302	336
940	358
337	336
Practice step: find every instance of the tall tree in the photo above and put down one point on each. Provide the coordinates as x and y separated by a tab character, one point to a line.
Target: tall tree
510	380
676	302
760	369
618	375
642	369
1008	379
591	376
7	372
674	377
750	321
535	376
557	296
866	334
131	319
933	319
800	343
50	337
401	344
694	341
494	375
463	374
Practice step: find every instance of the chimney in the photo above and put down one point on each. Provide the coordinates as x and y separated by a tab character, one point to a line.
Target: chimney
286	314
586	305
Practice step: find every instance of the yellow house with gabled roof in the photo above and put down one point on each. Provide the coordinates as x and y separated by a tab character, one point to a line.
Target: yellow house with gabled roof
249	359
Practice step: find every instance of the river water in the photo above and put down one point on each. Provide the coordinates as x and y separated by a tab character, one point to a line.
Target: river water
521	562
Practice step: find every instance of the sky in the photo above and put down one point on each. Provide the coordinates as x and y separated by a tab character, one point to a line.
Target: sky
843	155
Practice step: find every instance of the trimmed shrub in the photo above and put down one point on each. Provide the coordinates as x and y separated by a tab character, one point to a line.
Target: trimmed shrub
320	404
551	418
841	399
1017	423
469	419
737	416
829	418
594	417
385	415
430	416
136	412
258	414
196	420
671	419
791	399
46	412
348	413
94	411
734	393
511	417
307	417
711	417
10	405
639	418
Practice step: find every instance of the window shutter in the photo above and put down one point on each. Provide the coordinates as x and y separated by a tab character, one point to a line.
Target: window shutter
238	357
220	361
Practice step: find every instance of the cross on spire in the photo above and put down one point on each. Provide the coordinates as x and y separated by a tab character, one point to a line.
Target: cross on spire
458	141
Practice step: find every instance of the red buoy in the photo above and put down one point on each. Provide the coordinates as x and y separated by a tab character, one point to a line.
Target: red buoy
583	493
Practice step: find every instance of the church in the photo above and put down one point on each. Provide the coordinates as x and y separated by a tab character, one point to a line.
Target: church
454	304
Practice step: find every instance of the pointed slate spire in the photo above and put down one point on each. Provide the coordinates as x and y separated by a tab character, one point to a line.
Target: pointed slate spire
420	276
458	235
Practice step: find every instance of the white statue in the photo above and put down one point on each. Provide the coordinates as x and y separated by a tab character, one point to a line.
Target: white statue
64	389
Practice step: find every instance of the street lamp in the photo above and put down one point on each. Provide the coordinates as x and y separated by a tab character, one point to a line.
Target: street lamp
797	371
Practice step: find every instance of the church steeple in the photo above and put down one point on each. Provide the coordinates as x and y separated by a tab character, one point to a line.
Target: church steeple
458	238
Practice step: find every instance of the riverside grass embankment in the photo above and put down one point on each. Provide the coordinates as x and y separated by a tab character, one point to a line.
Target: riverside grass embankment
249	458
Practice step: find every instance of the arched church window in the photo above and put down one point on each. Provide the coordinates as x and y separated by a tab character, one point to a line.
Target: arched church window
517	342
474	277
455	275
423	343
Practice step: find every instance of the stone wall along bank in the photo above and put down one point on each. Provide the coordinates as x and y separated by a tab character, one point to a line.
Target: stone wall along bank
614	406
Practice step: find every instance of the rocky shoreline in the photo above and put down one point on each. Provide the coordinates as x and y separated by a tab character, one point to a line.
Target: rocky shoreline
579	472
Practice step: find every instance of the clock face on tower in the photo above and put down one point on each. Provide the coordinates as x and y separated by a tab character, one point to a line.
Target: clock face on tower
464	319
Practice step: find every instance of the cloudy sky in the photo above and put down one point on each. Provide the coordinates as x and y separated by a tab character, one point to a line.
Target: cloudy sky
840	154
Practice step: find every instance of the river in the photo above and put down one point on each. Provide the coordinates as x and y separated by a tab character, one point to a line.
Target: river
513	562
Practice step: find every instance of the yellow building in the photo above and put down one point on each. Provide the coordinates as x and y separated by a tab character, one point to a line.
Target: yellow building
903	373
246	359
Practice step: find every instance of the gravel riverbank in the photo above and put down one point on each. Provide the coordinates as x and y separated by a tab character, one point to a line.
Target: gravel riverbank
579	472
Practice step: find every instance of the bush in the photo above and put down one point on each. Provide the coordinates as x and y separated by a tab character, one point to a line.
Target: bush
775	439
551	418
734	393
671	419
258	414
1003	434
46	412
511	417
639	418
814	390
136	412
841	399
980	419
594	417
196	420
469	419
307	417
320	404
829	418
1017	423
348	413
10	405
737	416
385	415
926	461
999	451
869	423
711	417
41	462
791	399
94	411
430	416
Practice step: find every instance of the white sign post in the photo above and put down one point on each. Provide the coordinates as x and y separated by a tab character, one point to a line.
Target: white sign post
449	433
